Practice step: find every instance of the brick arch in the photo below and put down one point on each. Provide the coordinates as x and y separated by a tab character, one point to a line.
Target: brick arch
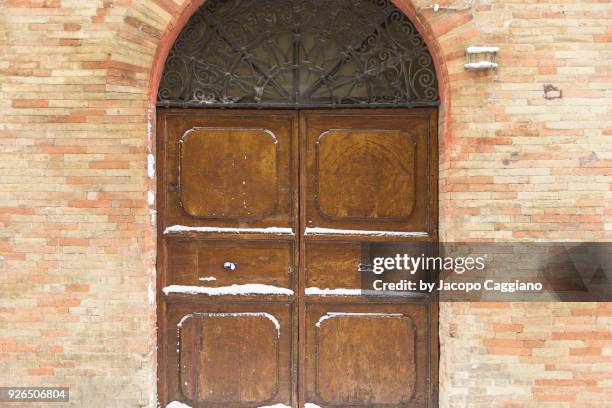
184	12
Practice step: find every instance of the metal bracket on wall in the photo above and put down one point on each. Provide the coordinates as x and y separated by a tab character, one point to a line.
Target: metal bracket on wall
481	57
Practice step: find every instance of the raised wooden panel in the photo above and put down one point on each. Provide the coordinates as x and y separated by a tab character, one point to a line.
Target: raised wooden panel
230	355
333	265
228	262
365	174
209	341
228	169
367	355
370	170
375	353
228	172
349	265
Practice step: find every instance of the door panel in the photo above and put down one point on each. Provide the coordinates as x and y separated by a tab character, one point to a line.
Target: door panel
229	354
229	172
392	359
213	339
333	265
366	355
345	264
358	170
369	170
229	168
216	262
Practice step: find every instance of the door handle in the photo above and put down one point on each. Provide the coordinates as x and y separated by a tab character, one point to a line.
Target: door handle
365	267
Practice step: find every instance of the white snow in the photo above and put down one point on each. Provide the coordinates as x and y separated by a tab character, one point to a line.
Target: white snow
268	230
311	405
246	289
277	406
314	291
229	265
330	315
150	197
207	279
333	231
481	49
149	124
150	165
176	404
150	293
480	65
196	128
183	320
236	314
153	213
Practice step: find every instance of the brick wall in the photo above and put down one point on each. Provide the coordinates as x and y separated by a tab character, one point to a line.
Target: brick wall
77	207
520	167
75	233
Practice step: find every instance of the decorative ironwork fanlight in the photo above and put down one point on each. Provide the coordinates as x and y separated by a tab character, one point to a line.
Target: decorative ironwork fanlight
299	53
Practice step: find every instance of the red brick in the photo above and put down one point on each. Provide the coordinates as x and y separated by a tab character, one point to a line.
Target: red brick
77	288
585	351
109	165
30	103
48	371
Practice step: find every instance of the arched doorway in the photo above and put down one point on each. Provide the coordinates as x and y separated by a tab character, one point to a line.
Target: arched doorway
293	137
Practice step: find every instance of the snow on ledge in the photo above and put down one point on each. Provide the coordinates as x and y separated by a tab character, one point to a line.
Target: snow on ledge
267	230
481	65
314	291
333	231
241	290
330	315
268	316
481	49
177	404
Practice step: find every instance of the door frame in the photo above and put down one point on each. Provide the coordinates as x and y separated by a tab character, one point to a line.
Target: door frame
298	351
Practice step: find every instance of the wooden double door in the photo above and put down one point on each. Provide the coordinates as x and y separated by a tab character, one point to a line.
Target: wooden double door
266	224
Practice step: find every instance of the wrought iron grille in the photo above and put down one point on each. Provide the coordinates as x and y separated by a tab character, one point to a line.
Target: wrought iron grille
299	53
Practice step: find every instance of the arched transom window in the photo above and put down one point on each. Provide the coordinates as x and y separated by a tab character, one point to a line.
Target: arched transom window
300	54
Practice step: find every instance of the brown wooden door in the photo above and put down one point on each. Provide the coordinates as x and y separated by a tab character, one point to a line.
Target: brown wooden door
264	219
